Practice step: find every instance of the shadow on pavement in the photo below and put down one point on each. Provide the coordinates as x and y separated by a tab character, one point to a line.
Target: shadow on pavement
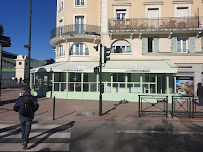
41	113
64	115
45	149
15	132
5	110
51	132
116	105
8	102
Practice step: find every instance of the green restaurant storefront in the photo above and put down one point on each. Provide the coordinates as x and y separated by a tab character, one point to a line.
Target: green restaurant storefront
121	79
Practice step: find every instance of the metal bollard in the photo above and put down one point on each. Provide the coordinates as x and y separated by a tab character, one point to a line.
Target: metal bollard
54	100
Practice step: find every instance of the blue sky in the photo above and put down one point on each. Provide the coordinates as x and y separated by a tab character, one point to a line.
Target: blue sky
14	16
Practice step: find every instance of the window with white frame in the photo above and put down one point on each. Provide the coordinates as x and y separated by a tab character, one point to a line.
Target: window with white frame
121	13
182	45
61	5
61	52
120	47
79	49
80	3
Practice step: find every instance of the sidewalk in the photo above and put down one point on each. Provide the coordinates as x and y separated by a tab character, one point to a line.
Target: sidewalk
76	110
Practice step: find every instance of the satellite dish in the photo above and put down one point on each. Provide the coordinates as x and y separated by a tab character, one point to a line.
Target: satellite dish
1	30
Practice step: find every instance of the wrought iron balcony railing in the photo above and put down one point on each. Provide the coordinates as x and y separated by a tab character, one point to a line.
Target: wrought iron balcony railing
75	30
136	24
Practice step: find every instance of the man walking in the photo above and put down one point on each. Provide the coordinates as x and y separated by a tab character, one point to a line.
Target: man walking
26	105
200	94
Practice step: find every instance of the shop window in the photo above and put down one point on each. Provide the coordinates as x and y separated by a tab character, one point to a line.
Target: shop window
182	45
118	82
171	84
120	47
79	49
161	83
149	77
75	82
133	83
118	77
106	77
133	77
89	82
59	77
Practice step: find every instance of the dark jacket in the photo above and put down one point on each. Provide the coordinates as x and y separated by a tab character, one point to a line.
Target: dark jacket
17	105
200	91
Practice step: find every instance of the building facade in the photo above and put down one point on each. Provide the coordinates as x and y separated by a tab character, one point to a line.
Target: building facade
156	49
8	67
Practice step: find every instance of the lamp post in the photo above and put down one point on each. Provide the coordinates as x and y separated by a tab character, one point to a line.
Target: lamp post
29	46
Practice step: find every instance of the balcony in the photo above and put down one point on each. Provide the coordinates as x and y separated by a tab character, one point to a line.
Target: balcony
75	31
158	24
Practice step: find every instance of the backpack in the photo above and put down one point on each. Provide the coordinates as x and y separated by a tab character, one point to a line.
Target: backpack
26	108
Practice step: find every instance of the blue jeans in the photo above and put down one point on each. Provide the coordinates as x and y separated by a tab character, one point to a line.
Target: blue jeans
25	130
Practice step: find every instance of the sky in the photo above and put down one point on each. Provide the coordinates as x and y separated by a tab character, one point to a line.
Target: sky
14	16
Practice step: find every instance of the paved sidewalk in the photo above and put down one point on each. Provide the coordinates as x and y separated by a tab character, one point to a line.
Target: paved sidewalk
76	110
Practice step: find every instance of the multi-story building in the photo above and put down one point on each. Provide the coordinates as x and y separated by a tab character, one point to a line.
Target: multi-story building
156	49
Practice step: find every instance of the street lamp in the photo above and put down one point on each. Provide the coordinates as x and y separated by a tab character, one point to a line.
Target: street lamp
29	46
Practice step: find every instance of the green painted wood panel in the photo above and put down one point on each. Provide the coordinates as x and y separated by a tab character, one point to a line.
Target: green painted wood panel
156	45
144	45
174	44
191	44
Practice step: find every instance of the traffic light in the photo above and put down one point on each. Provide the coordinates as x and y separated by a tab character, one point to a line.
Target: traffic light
96	70
96	47
102	88
5	41
106	54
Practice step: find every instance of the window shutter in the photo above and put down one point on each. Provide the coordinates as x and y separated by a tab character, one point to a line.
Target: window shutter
191	44
144	45
174	45
156	45
202	43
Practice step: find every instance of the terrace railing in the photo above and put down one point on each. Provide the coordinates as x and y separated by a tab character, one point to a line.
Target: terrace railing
75	30
134	24
153	105
181	106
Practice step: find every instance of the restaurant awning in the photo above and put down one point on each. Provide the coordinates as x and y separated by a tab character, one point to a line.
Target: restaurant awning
163	66
68	67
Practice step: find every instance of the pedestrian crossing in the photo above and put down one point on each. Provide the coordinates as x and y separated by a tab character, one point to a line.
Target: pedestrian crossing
43	137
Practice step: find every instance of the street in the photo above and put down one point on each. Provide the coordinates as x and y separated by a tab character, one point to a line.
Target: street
138	136
108	136
78	128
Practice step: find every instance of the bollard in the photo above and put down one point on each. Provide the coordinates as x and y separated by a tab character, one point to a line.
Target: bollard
54	99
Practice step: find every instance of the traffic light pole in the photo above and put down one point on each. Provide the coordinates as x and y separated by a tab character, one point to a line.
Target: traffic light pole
29	49
0	70
100	83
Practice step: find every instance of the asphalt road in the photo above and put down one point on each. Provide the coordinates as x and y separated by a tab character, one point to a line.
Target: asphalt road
110	136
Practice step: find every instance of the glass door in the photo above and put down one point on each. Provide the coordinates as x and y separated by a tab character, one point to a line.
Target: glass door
79	24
